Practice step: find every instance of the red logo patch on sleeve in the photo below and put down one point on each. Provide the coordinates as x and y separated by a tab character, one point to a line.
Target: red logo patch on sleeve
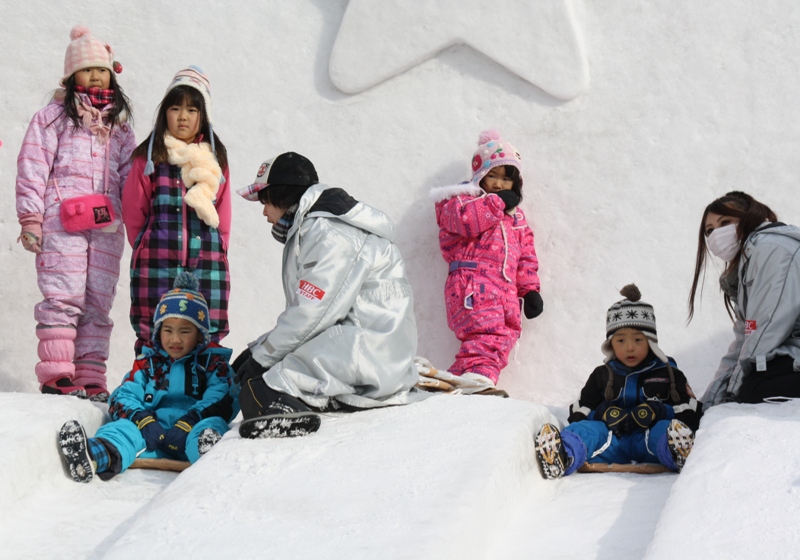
310	291
750	327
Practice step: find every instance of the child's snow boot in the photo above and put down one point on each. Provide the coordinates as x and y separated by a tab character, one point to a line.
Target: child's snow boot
269	413
680	440
72	441
477	384
63	386
56	350
550	452
91	375
207	439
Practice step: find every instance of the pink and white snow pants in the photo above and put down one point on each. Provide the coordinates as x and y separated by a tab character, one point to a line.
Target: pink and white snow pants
484	314
77	275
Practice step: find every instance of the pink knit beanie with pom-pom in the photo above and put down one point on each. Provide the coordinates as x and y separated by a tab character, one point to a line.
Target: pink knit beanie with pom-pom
492	152
84	51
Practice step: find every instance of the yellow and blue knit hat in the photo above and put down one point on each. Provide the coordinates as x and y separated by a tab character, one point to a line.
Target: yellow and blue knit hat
184	301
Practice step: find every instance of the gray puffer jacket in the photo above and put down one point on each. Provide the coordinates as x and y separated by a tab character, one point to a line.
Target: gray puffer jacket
348	331
767	310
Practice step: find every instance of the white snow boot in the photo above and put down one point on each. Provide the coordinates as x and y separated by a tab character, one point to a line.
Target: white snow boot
680	440
550	452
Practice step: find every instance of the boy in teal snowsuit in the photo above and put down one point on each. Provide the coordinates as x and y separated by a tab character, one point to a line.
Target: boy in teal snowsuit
175	403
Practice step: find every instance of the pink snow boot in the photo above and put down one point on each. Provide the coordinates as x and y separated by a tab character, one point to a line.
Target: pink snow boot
55	371
91	375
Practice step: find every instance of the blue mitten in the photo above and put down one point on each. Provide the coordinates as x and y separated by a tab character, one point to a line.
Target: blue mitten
175	438
151	430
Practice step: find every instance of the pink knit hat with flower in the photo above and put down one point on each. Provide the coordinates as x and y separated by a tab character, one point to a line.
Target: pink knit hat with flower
87	52
492	152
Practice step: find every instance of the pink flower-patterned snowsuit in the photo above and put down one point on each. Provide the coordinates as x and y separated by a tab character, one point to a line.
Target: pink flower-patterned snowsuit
492	264
77	272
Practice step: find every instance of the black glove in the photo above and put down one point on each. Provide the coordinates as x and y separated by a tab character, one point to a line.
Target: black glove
648	413
617	419
241	359
509	198
151	430
250	369
175	438
532	304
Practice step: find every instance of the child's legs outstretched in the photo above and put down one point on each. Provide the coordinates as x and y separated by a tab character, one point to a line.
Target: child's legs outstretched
94	326
61	275
481	315
591	441
126	439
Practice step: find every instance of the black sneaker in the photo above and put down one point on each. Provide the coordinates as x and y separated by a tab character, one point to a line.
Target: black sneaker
550	452
207	439
272	414
74	449
63	386
680	440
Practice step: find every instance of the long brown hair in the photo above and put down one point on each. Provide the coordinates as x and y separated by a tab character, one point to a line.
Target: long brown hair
751	214
176	96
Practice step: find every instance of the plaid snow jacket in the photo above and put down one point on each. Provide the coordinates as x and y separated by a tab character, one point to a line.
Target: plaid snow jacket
168	237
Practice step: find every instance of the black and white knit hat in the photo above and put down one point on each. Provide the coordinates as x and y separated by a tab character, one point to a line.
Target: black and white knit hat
632	313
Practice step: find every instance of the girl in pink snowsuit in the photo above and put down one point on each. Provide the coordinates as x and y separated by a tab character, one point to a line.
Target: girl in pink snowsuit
80	144
492	262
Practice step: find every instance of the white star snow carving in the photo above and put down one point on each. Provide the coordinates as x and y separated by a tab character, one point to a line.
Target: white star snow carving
537	40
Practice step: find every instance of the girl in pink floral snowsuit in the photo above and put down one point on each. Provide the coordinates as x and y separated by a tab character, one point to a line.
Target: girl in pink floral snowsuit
488	246
80	144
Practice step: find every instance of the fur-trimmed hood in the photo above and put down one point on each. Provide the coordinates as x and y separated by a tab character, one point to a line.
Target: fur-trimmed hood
437	194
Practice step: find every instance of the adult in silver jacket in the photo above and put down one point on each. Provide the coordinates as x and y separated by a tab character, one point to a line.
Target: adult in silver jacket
761	288
347	337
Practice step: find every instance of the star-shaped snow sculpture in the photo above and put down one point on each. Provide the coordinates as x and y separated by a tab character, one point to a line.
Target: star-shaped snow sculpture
538	40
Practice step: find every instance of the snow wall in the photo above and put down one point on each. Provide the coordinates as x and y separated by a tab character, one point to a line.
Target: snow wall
630	119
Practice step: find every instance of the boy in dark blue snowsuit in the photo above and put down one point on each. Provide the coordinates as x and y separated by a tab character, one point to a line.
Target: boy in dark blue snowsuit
637	407
175	403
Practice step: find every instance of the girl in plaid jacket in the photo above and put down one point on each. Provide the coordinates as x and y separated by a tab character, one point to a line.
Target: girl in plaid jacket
76	155
176	206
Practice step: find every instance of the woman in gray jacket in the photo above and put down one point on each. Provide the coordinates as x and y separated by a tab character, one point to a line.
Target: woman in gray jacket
347	337
761	289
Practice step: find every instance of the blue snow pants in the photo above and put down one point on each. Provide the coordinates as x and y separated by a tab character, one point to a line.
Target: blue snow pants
590	441
126	437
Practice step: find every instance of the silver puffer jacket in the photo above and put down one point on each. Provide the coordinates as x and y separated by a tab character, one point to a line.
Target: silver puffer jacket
348	331
767	310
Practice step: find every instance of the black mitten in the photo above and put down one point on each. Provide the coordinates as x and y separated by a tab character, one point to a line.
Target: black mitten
509	198
648	413
532	304
151	430
251	368
240	360
617	419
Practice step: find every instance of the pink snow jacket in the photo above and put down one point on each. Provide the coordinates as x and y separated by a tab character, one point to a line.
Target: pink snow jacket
75	158
474	227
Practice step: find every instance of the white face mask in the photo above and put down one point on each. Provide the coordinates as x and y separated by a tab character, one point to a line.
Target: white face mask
723	242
